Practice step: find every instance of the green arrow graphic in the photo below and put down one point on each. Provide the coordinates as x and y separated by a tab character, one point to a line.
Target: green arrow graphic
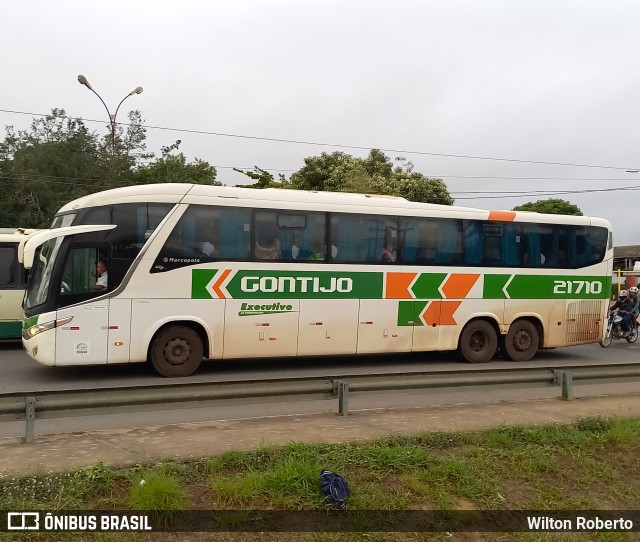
427	284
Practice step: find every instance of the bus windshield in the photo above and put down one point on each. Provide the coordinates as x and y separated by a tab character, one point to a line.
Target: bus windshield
40	276
43	263
61	221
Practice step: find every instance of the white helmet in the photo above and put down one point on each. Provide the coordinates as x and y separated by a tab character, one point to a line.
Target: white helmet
623	293
633	291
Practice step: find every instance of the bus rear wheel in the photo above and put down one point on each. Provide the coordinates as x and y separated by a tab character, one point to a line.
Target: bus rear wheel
176	351
478	342
521	343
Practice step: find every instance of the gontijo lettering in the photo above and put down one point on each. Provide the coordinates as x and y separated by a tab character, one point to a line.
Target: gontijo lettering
296	284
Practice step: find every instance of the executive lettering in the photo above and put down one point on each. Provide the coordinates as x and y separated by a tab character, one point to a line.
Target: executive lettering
271	307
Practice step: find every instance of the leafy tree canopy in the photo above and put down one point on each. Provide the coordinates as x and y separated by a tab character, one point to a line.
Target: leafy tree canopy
553	206
59	159
375	174
263	179
174	168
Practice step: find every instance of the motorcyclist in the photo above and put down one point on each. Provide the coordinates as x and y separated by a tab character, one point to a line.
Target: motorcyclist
622	297
629	309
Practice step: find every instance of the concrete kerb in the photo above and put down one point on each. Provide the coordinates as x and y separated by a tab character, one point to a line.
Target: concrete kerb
188	441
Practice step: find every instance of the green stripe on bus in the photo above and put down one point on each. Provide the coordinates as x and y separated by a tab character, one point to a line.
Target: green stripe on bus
199	280
409	313
546	287
427	284
261	284
493	286
250	284
28	322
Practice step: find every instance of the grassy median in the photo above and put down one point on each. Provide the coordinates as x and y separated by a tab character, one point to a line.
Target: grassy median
593	464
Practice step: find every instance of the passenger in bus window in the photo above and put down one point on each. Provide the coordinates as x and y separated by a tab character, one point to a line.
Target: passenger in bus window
206	248
388	254
318	252
103	278
268	247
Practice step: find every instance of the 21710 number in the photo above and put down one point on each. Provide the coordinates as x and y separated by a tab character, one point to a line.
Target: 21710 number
577	287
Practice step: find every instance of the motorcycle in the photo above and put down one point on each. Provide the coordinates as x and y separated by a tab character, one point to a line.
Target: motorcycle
615	331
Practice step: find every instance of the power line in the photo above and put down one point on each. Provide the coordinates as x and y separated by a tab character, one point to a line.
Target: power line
533	192
460	195
500	178
37	177
343	146
550	193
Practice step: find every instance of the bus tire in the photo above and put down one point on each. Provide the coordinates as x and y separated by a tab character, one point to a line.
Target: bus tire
521	343
176	351
478	342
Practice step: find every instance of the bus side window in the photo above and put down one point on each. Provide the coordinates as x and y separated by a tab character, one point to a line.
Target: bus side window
409	239
532	254
8	266
511	244
267	244
79	275
587	245
553	244
361	238
234	233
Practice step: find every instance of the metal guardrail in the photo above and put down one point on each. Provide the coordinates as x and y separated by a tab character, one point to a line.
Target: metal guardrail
56	404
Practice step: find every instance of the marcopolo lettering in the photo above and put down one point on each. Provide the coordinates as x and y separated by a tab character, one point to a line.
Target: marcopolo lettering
181	260
294	285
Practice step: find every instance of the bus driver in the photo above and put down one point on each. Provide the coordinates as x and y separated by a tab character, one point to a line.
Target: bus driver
102	281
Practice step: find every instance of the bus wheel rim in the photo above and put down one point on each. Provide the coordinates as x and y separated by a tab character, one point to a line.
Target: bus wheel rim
521	341
478	341
177	352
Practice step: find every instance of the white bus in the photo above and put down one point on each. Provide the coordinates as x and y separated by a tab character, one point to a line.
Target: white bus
13	281
212	272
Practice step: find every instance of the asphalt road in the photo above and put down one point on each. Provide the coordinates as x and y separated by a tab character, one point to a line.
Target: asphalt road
21	374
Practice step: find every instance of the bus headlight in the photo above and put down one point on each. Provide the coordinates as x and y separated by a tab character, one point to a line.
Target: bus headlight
39	328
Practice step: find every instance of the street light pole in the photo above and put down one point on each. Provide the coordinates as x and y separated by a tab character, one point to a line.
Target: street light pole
112	118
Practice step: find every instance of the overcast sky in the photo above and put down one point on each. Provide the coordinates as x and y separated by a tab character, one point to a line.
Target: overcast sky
528	80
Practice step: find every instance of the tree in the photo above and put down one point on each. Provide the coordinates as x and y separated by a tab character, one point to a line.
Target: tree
375	174
553	206
174	168
263	179
59	159
56	160
414	186
326	172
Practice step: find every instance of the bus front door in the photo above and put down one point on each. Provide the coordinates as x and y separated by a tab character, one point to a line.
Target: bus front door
83	340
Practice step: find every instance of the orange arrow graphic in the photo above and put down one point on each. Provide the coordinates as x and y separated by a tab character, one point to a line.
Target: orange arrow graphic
459	285
397	285
218	283
441	313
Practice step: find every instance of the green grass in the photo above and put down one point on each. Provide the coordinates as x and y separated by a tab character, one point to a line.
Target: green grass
592	464
156	491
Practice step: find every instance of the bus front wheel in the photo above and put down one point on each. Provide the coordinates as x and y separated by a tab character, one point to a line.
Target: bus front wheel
478	342
176	351
521	343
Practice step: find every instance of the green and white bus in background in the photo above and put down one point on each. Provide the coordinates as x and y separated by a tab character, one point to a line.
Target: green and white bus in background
213	272
13	281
